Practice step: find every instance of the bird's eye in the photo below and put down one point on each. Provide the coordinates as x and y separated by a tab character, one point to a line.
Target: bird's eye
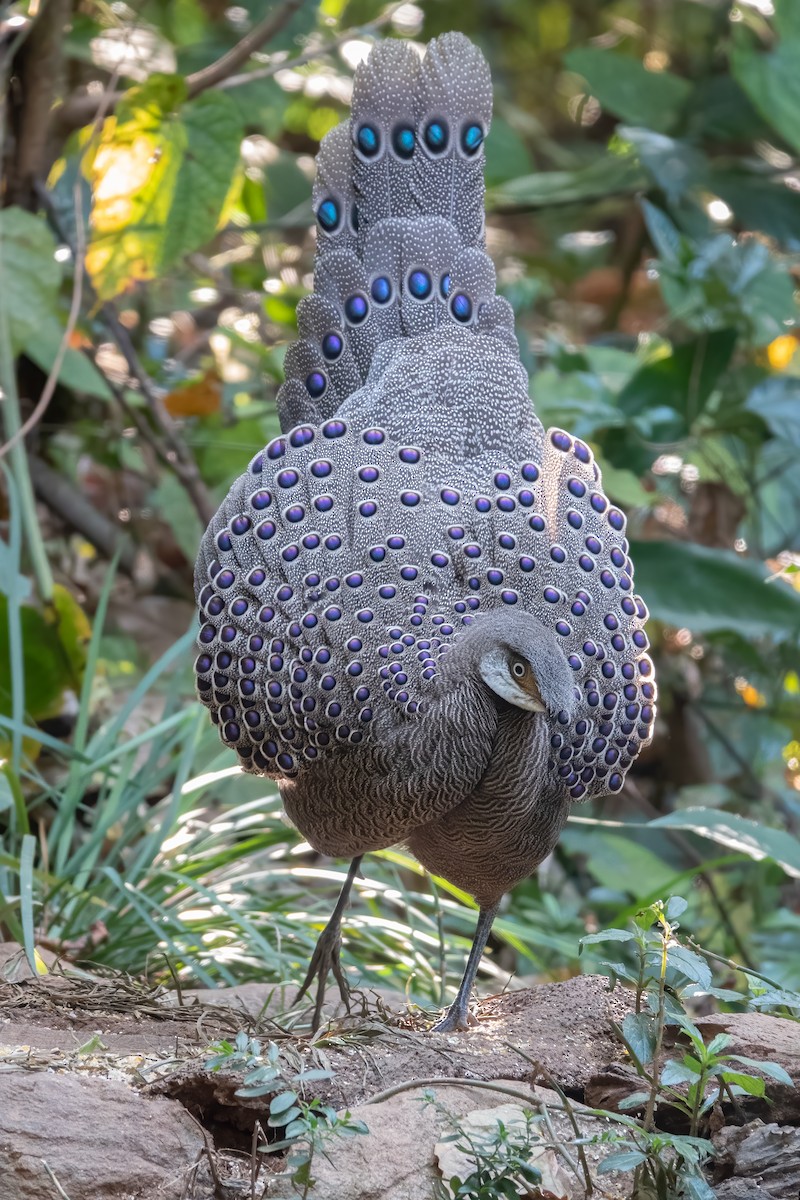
519	669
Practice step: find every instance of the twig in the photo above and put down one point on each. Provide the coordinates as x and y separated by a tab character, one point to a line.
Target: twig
541	1070
259	35
78	110
49	388
54	1181
313	52
448	1081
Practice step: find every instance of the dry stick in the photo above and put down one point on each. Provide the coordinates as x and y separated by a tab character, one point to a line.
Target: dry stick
63	1195
448	1081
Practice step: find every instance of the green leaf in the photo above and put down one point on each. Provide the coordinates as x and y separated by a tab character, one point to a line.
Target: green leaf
774	1070
626	88
729	829
676	167
777	401
639	1032
691	965
281	1103
704	590
748	1083
29	272
683	380
760	202
606	935
676	905
675	1073
666	238
772	82
626	1160
608	176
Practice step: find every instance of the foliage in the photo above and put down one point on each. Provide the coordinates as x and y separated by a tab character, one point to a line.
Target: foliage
501	1155
644	208
307	1128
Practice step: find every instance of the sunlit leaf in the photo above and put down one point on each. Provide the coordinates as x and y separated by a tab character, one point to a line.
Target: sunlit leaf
729	829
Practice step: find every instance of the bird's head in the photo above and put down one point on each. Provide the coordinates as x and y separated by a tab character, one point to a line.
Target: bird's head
521	662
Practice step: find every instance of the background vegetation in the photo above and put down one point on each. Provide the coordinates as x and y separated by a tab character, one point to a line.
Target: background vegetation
644	198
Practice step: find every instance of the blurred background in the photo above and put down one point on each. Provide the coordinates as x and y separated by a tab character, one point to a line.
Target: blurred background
643	194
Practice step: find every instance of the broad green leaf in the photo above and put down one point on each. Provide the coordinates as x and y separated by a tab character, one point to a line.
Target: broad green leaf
777	401
676	167
29	273
750	1084
213	134
674	1073
639	1032
625	1160
690	964
760	202
282	1102
666	238
626	88
608	176
606	935
703	589
683	380
675	906
160	174
773	1070
729	829
77	371
578	401
772	81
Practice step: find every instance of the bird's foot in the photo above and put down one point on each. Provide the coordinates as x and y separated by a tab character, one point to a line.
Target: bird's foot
324	960
458	1018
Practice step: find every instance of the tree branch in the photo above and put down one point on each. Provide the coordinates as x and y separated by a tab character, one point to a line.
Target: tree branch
259	35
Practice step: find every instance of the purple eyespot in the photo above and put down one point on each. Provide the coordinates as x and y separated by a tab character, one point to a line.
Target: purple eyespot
529	472
377	553
368	474
410	499
589	649
332	613
276	448
482	504
295	513
536	523
618	642
311	541
563	628
215	606
507	541
365	615
598	502
409	454
226	579
506	503
586	563
576	487
558	554
257	465
284	593
582	452
574	662
615	782
373	437
551	595
561	441
316	383
367	508
332	346
526	563
616	519
472	551
334	429
239	608
627	606
323	503
502	480
509	597
207	634
450	496
387	592
578	609
321	468
593	545
525	498
574	519
224	540
408	573
610	621
494	577
287	479
439	560
354	580
396	542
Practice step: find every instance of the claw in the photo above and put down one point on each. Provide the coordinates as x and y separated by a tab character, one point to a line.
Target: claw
324	960
458	1018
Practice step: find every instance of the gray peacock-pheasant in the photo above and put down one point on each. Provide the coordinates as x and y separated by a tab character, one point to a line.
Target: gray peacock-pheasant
417	608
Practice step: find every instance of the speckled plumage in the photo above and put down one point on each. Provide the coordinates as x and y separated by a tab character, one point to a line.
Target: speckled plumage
414	516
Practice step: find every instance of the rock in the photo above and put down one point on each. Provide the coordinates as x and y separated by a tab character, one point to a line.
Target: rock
760	1156
101	1139
397	1160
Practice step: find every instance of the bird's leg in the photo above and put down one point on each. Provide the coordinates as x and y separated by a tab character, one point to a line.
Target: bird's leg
326	952
457	1015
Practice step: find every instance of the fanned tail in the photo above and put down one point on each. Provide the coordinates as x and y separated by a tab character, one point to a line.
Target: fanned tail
398	200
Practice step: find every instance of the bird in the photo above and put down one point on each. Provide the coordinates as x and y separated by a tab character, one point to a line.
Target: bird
416	604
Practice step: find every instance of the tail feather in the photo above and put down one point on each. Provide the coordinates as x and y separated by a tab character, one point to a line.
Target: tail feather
383	125
399	205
